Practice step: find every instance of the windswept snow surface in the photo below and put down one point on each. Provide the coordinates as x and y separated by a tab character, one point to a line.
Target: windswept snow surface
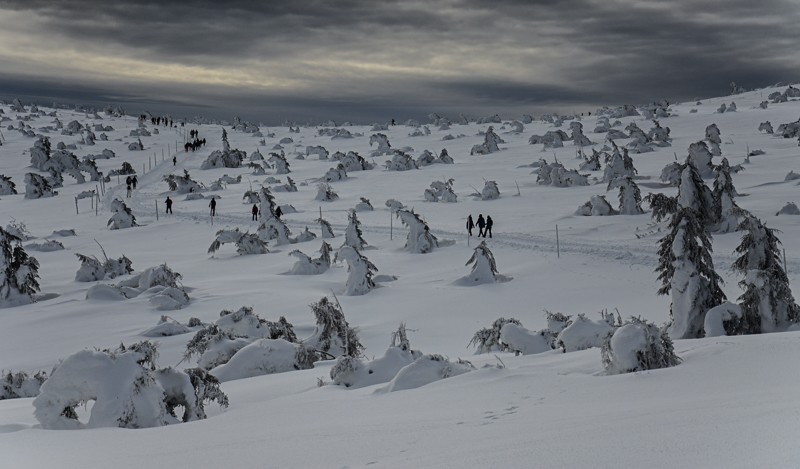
731	403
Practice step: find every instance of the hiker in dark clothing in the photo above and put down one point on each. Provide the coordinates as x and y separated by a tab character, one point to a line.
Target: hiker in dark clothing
129	191
168	202
128	180
174	160
213	205
255	212
481	225
489	224
278	212
470	224
134	181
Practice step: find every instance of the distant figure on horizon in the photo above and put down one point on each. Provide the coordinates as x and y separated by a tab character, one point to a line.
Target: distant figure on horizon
392	121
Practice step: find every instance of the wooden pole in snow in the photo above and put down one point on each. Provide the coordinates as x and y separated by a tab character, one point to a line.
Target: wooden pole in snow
390	224
156	210
76	206
558	246
97	205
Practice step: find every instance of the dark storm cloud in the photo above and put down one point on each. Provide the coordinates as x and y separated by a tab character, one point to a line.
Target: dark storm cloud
546	54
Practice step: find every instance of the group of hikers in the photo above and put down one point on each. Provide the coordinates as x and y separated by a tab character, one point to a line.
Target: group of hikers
484	225
130	182
165	120
213	206
193	145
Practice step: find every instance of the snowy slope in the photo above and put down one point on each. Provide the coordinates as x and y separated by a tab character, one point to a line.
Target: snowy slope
729	404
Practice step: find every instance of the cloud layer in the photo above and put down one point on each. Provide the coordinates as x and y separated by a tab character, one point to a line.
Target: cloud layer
367	60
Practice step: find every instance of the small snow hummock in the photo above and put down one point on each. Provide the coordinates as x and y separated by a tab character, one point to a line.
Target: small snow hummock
637	345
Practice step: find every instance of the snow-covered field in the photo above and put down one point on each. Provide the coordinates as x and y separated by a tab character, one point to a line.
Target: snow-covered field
732	402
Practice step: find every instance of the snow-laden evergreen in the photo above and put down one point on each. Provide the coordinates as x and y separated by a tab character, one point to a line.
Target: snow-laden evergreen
726	211
441	191
353	236
20	272
183	184
484	268
767	302
333	335
305	265
37	187
419	240
16	385
122	217
618	165
630	197
246	243
490	143
638	345
360	271
92	269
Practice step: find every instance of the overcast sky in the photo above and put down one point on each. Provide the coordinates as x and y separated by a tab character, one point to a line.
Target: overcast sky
371	60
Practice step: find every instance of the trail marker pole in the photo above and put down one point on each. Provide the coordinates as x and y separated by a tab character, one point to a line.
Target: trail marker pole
156	210
97	205
76	206
558	246
390	225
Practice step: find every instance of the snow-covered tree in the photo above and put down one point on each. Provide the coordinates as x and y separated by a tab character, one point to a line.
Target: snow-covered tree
92	269
726	212
700	157
364	205
766	127
21	384
578	137
441	191
484	268
401	161
591	163
767	302
618	165
122	216
693	193
686	271
384	148
489	145
37	187
273	228
637	345
419	240
490	191
224	159
182	184
318	150
596	206
325	226
630	197
335	174
279	161
712	134
333	335
20	272
583	333
359	271
325	193
488	339
246	243
305	265
7	186
352	161
352	234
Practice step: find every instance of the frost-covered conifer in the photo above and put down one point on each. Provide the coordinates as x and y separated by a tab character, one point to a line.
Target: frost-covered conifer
700	157
488	339
352	234
364	205
20	272
318	150
401	161
273	228
325	227
308	266
712	134
246	243
578	138
630	197
7	186
591	163
767	302
122	216
21	384
490	191
489	145
596	206
686	271
352	161
766	127
325	193
384	148
266	202
618	165
484	268
92	269
37	187
359	271
420	239
280	163
334	174
441	191
637	345
182	184
225	145
333	334
583	333
693	193
726	212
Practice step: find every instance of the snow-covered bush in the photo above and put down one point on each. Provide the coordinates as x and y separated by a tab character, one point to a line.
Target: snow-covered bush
138	396
551	139
618	165
488	339
789	209
325	227
21	384
325	193
425	370
20	272
305	265
522	341
596	206
484	268
355	373
122	216
489	145
723	319
584	333
441	191
364	205
7	186
279	162
554	174
246	243
490	191
630	197
224	159
318	150
637	345
334	174
382	141
353	236
182	184
578	138
167	327
266	356
401	161
92	269
273	228
48	245
394	205
359	271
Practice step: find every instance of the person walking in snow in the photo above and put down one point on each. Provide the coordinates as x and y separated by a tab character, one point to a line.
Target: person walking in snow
278	212
213	205
174	160
129	190
481	225
489	224
255	212
168	202
470	224
134	181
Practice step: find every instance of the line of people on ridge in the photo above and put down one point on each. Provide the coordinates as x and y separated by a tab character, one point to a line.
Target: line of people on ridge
484	225
213	206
